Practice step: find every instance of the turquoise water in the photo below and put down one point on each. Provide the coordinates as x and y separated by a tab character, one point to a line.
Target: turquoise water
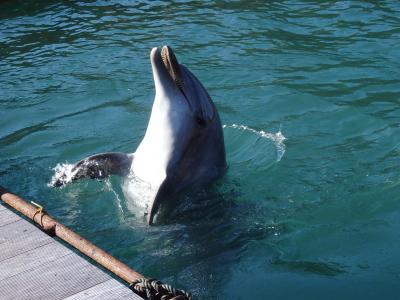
309	94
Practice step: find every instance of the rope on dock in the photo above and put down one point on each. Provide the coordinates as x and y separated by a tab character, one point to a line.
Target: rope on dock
150	289
154	289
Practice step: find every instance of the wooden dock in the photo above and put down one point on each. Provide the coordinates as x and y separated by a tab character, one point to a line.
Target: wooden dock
34	265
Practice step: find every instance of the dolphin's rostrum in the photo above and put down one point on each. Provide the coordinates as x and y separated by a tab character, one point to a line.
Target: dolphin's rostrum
183	144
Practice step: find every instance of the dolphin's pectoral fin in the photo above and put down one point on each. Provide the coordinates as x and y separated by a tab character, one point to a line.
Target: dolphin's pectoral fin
97	167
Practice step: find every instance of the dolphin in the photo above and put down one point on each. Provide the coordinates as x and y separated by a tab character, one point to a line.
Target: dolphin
183	145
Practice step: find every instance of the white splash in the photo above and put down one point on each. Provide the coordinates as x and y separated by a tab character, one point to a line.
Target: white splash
139	192
277	138
63	172
110	189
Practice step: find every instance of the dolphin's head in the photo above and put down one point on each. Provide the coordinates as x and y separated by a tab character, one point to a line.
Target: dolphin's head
175	82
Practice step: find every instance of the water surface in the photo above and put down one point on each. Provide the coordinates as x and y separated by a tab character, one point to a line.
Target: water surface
312	216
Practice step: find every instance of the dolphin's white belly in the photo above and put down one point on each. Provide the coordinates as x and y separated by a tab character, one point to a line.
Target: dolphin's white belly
160	143
152	157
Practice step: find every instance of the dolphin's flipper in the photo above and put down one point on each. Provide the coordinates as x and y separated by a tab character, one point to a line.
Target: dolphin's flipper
97	167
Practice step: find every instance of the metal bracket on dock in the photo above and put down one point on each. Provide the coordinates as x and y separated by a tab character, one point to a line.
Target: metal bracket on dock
40	210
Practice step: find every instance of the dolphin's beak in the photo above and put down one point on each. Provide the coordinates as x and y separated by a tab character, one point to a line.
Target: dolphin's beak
164	61
171	65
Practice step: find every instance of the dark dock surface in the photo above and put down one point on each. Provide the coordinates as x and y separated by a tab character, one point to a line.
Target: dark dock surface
34	265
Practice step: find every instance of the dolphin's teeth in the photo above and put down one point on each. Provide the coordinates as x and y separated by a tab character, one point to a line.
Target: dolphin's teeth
164	58
172	66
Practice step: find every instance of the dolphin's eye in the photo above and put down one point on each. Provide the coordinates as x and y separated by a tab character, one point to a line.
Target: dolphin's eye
200	121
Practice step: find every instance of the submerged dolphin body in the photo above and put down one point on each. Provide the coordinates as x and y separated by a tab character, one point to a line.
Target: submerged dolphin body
183	145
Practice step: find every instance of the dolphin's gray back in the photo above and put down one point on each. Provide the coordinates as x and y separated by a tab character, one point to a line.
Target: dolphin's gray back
197	96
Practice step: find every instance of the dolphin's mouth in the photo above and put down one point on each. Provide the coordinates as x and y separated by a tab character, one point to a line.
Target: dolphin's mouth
172	66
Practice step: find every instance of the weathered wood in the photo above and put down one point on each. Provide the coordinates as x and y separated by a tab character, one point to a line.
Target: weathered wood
106	290
57	279
32	259
19	237
6	217
35	266
2	207
53	227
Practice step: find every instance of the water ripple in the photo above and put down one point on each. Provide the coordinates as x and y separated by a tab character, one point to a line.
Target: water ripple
75	78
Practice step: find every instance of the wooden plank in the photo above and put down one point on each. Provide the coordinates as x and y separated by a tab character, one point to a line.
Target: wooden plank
58	279
7	217
20	237
2	206
110	289
35	266
32	259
